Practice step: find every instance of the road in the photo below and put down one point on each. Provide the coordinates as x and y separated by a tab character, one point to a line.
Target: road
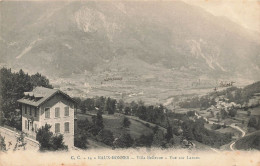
243	133
11	139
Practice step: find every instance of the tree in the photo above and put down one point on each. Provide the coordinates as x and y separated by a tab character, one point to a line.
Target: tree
145	140
39	80
191	113
252	122
126	122
134	107
142	112
89	104
121	105
223	113
110	106
97	123
84	124
20	142
232	112
158	138
106	136
49	142
155	129
80	140
12	88
81	105
124	141
169	134
43	136
127	110
100	103
187	127
2	144
57	143
218	116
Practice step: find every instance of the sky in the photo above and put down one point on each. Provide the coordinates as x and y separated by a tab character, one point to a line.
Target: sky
243	12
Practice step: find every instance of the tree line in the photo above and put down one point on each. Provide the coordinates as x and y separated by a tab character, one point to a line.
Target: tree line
12	87
233	94
151	113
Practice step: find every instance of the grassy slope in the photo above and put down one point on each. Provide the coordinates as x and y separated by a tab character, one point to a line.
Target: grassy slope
251	141
114	124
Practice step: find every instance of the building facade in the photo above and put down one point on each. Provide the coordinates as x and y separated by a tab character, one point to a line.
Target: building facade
48	106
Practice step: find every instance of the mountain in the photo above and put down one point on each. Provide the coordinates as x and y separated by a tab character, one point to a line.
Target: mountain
61	38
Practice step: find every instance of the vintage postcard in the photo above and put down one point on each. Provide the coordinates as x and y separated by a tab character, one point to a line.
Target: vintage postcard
103	82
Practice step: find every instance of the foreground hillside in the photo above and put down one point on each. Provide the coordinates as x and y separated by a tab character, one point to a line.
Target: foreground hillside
249	142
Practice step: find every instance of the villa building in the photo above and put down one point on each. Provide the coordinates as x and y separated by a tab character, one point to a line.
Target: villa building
48	106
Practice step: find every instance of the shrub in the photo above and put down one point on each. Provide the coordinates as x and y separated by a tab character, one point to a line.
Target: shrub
124	141
2	144
144	140
106	136
20	142
215	126
48	141
147	125
80	141
126	122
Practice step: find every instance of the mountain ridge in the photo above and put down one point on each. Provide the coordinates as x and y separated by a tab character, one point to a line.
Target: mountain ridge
79	36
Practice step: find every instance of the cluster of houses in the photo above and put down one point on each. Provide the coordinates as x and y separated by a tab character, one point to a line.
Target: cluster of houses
48	106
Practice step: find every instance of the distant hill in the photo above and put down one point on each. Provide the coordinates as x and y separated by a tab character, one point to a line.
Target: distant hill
61	38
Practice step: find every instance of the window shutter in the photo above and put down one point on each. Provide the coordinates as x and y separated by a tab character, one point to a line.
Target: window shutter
66	111
30	110
47	112
67	126
57	127
25	124
57	112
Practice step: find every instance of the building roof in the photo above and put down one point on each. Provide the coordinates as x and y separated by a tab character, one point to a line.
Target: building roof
39	95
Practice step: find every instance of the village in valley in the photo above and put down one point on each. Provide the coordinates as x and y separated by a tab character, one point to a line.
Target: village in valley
49	119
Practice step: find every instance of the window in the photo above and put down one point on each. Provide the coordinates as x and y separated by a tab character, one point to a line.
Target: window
25	124
30	110
35	113
67	127
57	112
57	127
47	112
66	111
25	110
35	127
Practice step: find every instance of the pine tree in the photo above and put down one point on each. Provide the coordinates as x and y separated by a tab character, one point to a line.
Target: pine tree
126	122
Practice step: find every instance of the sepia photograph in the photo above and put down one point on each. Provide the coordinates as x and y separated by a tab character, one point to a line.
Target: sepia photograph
134	82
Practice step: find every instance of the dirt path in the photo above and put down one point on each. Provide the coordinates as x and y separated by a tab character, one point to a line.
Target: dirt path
242	135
